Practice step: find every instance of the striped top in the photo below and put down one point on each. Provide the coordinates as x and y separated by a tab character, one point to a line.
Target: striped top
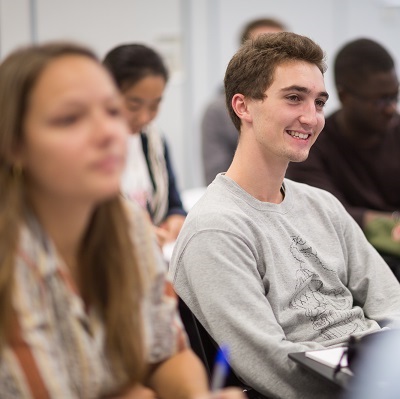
57	346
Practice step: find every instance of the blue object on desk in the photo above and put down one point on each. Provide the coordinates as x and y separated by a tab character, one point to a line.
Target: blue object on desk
221	369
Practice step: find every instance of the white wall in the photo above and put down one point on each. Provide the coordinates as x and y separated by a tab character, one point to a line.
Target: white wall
197	38
15	24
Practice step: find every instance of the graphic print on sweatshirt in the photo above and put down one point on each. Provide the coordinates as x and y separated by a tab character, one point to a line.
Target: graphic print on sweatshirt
328	310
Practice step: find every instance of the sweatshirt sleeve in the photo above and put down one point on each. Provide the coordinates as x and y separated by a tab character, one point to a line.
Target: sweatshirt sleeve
370	280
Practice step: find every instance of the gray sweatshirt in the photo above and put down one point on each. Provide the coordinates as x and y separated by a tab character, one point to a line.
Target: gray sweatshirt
270	279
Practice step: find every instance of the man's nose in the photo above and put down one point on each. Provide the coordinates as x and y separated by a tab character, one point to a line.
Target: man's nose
391	107
309	115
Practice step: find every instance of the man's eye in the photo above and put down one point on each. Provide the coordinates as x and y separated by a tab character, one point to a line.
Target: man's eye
320	103
293	98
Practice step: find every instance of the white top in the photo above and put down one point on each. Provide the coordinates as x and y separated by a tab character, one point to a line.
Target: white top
136	182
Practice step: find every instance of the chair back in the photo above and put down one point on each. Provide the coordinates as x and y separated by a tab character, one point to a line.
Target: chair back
206	349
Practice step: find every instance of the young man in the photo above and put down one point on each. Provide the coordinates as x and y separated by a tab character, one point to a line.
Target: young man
218	133
267	265
357	157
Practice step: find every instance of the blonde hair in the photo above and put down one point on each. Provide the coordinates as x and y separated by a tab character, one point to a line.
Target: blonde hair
109	271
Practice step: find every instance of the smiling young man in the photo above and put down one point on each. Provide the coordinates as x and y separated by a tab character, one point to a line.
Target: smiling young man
270	266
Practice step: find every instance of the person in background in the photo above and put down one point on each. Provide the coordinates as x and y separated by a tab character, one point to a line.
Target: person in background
148	178
85	308
218	134
357	156
267	265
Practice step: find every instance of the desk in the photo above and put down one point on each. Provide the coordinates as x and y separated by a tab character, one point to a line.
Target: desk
340	378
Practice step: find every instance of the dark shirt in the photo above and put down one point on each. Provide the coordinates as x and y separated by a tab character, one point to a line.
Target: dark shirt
362	179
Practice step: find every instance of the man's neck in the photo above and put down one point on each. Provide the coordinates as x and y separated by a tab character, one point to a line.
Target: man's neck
261	179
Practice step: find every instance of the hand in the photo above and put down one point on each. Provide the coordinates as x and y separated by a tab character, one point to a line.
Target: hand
396	233
163	236
173	224
227	393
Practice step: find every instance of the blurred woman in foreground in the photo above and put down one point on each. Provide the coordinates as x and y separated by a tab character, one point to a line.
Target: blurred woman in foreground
85	310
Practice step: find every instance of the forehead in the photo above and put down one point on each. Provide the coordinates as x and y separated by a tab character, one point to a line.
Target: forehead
72	74
379	82
151	86
298	73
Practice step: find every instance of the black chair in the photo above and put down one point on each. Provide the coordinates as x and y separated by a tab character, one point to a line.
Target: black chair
206	349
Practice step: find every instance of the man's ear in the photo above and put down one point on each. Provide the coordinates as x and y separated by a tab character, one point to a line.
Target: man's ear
240	106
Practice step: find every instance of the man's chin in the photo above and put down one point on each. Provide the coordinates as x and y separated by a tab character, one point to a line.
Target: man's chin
299	158
381	128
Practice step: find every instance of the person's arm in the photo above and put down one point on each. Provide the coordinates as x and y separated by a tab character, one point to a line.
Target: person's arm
219	137
139	391
370	216
182	376
396	233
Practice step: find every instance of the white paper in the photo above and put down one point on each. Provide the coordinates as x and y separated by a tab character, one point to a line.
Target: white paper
330	357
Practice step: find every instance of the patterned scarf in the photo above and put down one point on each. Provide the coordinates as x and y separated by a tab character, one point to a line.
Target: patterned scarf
156	157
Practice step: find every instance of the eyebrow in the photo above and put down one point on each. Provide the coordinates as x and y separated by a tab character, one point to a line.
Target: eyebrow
78	102
302	89
142	101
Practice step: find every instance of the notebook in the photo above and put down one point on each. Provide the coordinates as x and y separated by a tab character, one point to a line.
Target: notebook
330	357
